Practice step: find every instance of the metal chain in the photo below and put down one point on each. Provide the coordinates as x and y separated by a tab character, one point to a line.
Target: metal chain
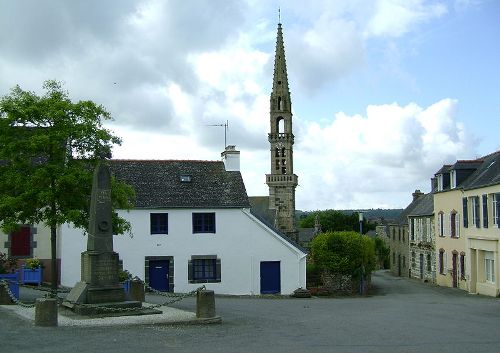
177	299
13	297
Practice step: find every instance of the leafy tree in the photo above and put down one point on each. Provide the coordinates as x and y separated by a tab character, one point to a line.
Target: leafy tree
49	147
343	253
382	253
336	221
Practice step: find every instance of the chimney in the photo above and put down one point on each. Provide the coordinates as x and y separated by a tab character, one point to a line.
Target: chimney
231	159
417	194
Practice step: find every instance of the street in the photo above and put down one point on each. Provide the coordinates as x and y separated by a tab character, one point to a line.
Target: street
401	316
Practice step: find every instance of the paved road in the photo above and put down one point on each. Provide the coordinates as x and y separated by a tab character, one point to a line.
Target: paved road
403	316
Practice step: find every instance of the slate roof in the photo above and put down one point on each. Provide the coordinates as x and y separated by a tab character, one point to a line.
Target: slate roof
488	173
157	184
424	206
403	217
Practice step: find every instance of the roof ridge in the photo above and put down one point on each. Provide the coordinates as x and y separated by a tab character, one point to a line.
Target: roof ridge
164	160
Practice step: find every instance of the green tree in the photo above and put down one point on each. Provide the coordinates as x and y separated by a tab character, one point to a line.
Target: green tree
344	253
336	221
49	147
382	252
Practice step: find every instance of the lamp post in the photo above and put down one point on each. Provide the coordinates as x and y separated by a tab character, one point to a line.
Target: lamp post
361	282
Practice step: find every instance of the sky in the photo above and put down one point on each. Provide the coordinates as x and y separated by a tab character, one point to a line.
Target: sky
384	92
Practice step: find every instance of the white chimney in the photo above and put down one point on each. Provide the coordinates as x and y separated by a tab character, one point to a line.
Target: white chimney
231	158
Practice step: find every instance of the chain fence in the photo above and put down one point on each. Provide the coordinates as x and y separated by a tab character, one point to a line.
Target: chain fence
173	297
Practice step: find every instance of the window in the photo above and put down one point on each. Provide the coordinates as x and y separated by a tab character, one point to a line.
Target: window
465	212
159	223
485	211
204	269
442	259
399	234
462	265
185	178
496	209
204	222
441	224
489	264
429	264
412	229
454	225
475	211
453	179
413	260
394	258
440	182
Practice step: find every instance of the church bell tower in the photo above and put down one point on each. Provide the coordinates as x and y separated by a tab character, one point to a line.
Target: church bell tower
282	181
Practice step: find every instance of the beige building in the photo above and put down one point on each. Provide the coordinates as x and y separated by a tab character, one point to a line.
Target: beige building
467	208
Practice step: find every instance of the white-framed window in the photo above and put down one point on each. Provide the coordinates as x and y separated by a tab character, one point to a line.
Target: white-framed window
454	225
440	182
496	203
489	266
475	211
453	179
441	224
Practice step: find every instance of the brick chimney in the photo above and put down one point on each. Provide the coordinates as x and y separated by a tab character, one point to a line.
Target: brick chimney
231	159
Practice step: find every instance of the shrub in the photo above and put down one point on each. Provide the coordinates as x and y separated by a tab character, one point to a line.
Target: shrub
343	253
7	264
33	263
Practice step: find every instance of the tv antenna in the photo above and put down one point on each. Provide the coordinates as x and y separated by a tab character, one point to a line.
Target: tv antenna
226	127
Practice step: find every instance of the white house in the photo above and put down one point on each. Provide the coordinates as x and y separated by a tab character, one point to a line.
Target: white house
192	225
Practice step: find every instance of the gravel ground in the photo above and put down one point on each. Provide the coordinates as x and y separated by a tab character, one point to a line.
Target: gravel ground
169	316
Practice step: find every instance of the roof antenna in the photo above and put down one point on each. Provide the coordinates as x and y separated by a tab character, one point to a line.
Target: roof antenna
226	127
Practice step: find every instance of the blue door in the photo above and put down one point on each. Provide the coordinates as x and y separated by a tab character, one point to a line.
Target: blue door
270	277
158	275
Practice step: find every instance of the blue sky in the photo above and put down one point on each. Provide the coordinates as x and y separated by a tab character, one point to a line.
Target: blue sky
384	91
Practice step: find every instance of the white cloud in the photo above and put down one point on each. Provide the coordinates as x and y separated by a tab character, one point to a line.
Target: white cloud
352	160
393	18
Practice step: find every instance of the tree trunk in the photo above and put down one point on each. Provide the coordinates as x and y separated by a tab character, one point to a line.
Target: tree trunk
53	264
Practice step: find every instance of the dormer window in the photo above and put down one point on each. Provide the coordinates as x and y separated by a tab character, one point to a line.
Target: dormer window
185	178
453	179
440	182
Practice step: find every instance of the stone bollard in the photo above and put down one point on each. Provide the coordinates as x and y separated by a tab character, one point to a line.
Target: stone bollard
46	312
205	304
137	291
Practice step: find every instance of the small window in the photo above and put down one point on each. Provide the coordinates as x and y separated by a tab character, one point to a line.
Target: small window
185	178
475	211
496	209
159	223
489	264
429	264
441	262
485	211
204	269
204	222
462	266
465	212
441	224
453	225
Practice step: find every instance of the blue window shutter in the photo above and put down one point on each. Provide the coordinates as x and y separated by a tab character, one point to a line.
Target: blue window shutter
465	211
497	198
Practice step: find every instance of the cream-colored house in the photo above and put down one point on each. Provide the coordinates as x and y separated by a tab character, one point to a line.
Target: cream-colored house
467	230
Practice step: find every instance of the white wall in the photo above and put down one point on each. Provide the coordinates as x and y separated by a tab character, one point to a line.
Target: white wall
241	242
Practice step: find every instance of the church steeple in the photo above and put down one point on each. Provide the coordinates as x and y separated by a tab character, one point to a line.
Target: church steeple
282	181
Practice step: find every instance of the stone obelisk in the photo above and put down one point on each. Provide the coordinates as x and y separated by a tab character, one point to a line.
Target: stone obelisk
99	264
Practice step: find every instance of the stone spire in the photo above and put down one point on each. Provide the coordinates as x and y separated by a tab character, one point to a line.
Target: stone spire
281	181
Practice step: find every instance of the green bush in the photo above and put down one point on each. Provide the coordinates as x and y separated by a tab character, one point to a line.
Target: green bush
343	253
